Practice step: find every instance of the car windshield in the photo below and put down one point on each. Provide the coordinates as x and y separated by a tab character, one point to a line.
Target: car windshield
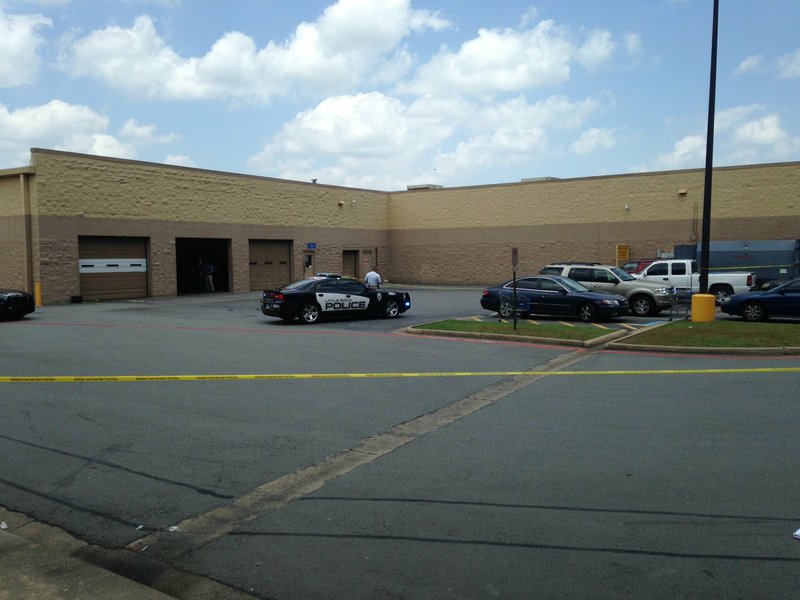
622	274
573	286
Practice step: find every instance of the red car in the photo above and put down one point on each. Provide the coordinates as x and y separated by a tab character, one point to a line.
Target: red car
635	266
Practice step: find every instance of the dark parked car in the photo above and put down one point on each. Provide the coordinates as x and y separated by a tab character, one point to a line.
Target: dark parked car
15	304
780	301
553	295
316	297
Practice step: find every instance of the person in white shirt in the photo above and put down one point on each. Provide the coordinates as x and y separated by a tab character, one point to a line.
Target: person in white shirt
373	279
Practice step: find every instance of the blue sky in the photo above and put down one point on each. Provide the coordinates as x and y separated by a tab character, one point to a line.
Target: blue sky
381	94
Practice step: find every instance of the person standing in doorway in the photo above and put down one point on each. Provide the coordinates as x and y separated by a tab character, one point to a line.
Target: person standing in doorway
209	276
373	279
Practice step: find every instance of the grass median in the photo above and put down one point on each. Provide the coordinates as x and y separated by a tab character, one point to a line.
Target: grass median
732	333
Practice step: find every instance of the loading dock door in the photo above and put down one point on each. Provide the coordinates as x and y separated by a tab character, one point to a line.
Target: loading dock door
112	268
270	263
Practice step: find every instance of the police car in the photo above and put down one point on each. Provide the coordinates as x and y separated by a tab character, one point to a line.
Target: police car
317	297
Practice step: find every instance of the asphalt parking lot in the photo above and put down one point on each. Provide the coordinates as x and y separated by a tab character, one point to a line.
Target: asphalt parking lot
351	460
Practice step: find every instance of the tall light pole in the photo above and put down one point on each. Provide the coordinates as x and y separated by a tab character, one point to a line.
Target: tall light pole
706	235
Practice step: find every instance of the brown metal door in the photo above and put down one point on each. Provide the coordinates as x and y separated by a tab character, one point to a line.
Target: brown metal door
350	263
270	264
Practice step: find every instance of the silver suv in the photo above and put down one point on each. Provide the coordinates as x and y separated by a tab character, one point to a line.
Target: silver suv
644	297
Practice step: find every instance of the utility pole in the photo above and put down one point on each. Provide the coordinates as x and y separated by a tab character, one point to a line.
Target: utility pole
706	235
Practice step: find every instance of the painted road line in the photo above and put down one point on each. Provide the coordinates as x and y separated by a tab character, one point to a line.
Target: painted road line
600	326
387	375
567	324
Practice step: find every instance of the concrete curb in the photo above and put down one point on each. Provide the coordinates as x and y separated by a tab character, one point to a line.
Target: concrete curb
44	562
787	351
523	339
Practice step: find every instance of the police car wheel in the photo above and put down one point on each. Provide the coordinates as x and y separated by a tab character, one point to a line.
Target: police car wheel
309	313
391	309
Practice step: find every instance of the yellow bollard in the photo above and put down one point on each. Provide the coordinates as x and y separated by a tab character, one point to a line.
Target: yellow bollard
703	308
37	293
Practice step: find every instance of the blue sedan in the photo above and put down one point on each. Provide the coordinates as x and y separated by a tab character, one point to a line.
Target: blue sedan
780	301
555	296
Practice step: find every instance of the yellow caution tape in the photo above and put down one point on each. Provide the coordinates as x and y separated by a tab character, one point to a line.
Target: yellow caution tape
262	376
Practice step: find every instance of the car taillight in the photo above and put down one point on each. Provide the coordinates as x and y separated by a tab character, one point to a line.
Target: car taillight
277	296
485	292
750	280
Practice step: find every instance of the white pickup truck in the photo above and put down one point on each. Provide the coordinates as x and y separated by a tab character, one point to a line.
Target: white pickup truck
684	275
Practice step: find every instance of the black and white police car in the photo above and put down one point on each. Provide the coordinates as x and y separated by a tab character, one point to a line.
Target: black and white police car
318	297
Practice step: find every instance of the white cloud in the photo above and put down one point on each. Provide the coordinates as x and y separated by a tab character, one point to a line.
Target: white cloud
596	50
145	134
593	139
180	160
749	64
688	152
503	146
58	125
766	131
789	65
368	133
100	144
509	60
498	61
19	44
743	134
633	44
556	112
755	136
728	118
351	41
762	139
395	143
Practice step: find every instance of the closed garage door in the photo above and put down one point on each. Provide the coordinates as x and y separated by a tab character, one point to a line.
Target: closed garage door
112	268
270	263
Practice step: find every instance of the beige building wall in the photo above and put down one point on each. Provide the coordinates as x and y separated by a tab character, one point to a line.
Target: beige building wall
77	195
15	259
450	235
465	235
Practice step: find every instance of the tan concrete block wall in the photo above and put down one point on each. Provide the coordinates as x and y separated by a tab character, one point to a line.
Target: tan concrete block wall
458	235
58	241
11	204
13	273
58	270
78	195
465	235
756	191
482	256
13	254
162	278
78	185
